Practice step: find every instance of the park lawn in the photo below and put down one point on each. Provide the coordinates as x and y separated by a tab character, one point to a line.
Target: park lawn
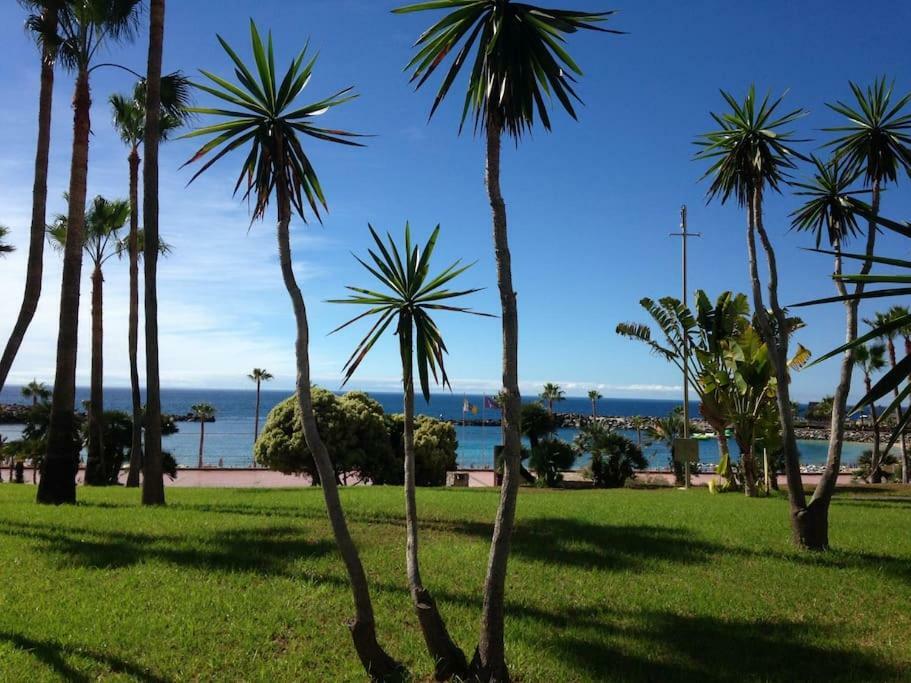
637	585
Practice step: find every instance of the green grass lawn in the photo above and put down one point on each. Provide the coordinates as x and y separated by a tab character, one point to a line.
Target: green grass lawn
604	585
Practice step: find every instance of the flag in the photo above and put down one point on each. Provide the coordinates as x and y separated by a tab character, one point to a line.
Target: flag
490	404
469	407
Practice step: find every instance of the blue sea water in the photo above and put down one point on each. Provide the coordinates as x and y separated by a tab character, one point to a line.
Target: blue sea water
229	440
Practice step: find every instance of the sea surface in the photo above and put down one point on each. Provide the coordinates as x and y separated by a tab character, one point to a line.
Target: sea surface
229	440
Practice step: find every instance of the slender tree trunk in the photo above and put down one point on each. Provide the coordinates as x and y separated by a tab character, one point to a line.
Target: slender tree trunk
448	658
490	658
202	439
778	345
61	463
35	264
748	465
906	460
94	463
378	664
133	334
152	475
256	418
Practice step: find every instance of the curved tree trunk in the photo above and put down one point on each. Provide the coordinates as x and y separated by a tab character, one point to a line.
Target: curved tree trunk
94	462
133	334
778	345
61	463
35	264
378	664
152	475
490	659
449	660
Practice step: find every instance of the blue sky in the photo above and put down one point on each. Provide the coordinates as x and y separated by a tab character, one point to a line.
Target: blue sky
590	204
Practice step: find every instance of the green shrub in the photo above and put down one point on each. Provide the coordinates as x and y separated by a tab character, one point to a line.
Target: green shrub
549	458
614	458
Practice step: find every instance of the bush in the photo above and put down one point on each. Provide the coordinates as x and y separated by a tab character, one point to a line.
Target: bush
614	457
549	458
361	439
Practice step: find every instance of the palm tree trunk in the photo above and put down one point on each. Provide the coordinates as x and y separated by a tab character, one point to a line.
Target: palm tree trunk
202	439
35	264
133	334
378	664
61	463
256	418
153	477
448	657
749	472
94	463
778	345
490	661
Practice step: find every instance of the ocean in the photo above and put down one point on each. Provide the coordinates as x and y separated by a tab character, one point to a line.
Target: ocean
229	440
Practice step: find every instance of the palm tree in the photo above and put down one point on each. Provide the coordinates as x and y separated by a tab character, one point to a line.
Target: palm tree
202	413
42	22
749	152
412	296
5	247
37	391
668	429
594	397
518	58
638	422
102	223
550	393
153	460
129	121
259	375
267	119
870	359
84	27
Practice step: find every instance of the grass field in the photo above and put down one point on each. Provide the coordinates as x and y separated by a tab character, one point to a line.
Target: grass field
635	585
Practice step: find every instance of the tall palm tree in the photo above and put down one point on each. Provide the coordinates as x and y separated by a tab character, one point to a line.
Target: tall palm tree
267	120
410	298
871	359
129	121
594	396
881	321
37	391
550	393
102	223
153	460
518	58
5	247
42	22
259	375
748	153
202	413
84	28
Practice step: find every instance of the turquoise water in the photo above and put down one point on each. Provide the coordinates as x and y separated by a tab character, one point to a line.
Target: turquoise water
229	440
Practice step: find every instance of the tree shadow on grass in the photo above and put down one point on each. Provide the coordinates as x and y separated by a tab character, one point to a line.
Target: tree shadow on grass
269	550
661	646
54	656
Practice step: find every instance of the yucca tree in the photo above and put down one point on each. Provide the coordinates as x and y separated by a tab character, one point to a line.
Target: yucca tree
129	120
103	221
258	376
751	151
37	391
84	28
202	413
594	396
410	298
519	65
830	211
269	126
41	23
551	393
870	359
